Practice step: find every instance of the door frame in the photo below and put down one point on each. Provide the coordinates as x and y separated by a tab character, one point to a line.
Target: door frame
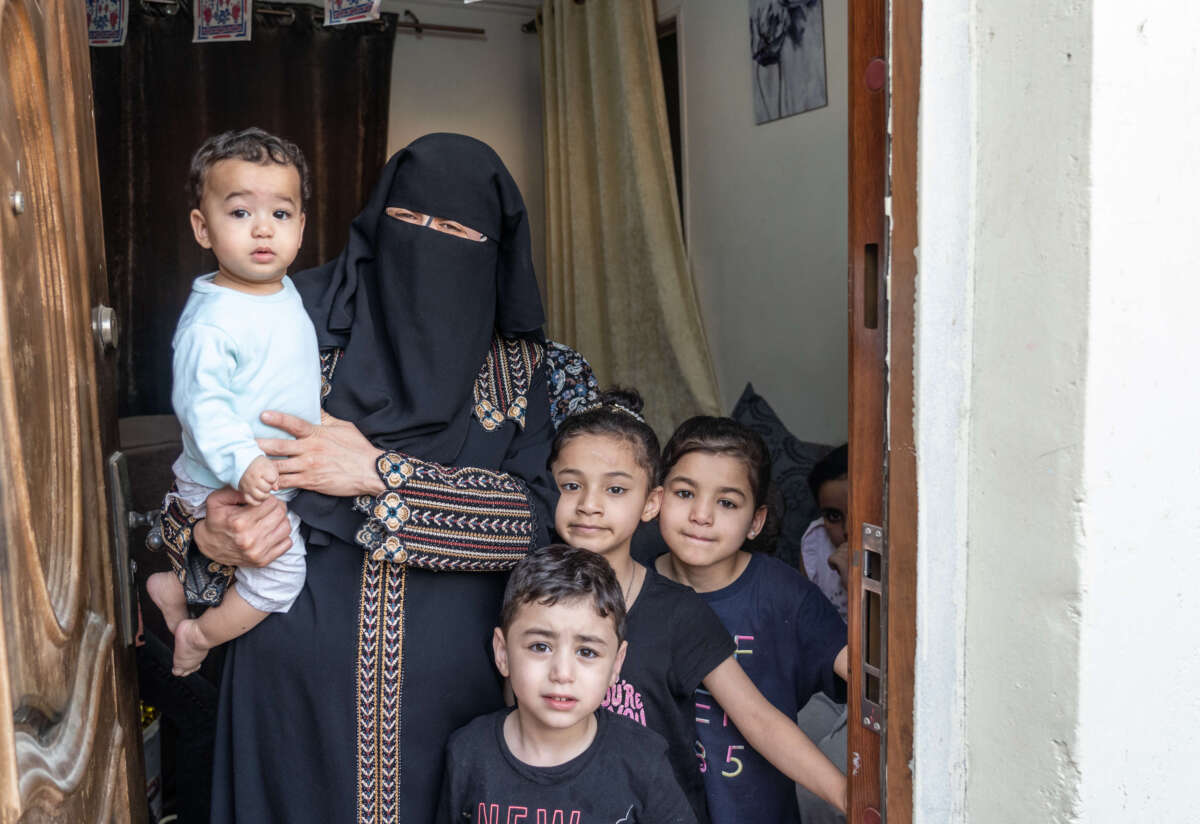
903	500
884	88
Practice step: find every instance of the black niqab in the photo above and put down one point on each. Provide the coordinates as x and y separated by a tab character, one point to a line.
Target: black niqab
414	309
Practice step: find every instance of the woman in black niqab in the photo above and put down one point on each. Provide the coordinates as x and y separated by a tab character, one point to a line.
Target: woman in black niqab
339	709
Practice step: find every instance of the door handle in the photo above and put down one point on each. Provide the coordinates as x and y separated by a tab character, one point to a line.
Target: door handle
105	326
121	519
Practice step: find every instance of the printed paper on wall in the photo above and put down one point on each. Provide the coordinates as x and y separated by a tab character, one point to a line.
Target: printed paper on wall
221	20
338	12
107	21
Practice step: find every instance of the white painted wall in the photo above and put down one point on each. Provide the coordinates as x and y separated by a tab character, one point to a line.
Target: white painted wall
1030	274
942	372
767	221
1139	711
1056	347
488	87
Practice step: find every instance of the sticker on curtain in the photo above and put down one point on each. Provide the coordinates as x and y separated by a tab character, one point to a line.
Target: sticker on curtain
221	20
338	12
107	22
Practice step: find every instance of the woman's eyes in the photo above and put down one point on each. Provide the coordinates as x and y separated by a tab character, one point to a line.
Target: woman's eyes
405	214
449	226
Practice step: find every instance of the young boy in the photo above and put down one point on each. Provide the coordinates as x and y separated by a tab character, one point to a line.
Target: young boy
823	547
244	344
557	758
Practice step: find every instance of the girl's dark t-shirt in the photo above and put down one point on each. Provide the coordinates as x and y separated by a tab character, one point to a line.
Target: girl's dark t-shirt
623	777
787	636
675	641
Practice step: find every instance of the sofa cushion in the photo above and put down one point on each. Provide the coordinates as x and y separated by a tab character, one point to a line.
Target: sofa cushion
791	461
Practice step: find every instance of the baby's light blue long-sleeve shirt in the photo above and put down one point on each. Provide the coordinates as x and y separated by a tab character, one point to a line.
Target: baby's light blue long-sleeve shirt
236	355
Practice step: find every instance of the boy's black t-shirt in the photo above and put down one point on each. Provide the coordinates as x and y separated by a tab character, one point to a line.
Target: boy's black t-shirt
787	636
623	777
675	641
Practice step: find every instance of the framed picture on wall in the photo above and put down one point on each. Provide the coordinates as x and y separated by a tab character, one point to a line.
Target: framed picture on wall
787	51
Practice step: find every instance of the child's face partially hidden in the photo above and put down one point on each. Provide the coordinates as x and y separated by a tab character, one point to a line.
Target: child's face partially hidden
603	494
708	509
250	216
560	660
833	497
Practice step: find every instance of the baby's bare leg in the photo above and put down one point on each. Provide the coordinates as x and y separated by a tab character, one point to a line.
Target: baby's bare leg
195	637
167	594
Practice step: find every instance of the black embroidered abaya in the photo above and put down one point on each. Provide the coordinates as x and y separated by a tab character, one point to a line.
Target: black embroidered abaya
339	710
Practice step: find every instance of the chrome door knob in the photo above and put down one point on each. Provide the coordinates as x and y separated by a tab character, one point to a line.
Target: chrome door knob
104	326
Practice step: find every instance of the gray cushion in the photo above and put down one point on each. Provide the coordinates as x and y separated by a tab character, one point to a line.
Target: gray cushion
791	461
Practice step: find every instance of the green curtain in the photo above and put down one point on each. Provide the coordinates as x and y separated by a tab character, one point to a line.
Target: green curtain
618	284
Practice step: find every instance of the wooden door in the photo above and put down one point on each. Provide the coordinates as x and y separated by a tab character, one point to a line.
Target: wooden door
868	333
70	740
882	518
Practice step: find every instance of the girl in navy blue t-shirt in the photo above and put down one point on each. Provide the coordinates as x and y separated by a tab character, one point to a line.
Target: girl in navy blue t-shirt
605	463
789	639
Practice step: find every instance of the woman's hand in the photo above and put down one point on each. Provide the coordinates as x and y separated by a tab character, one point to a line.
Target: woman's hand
243	535
332	458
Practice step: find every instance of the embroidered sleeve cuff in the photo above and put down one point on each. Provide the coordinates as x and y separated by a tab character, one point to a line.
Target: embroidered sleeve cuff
446	518
204	581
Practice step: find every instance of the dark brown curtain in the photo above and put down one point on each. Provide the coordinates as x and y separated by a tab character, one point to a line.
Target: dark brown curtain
158	97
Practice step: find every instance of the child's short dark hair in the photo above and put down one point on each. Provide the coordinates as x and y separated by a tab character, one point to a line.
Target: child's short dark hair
617	412
722	436
833	466
252	145
559	572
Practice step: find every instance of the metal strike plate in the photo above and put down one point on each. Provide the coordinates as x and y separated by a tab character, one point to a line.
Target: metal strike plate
873	602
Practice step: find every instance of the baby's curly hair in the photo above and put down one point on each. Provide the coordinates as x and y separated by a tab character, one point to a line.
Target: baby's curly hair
252	145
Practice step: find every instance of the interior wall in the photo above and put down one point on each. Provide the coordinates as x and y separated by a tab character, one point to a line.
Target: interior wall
487	87
766	218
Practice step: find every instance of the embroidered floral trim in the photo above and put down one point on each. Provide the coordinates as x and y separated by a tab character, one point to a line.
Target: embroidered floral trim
572	383
435	517
329	362
204	581
502	388
380	680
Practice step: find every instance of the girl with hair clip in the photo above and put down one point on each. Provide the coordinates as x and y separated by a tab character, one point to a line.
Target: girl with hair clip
605	462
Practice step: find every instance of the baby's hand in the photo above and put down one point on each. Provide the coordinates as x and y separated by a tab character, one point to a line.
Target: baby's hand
259	479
